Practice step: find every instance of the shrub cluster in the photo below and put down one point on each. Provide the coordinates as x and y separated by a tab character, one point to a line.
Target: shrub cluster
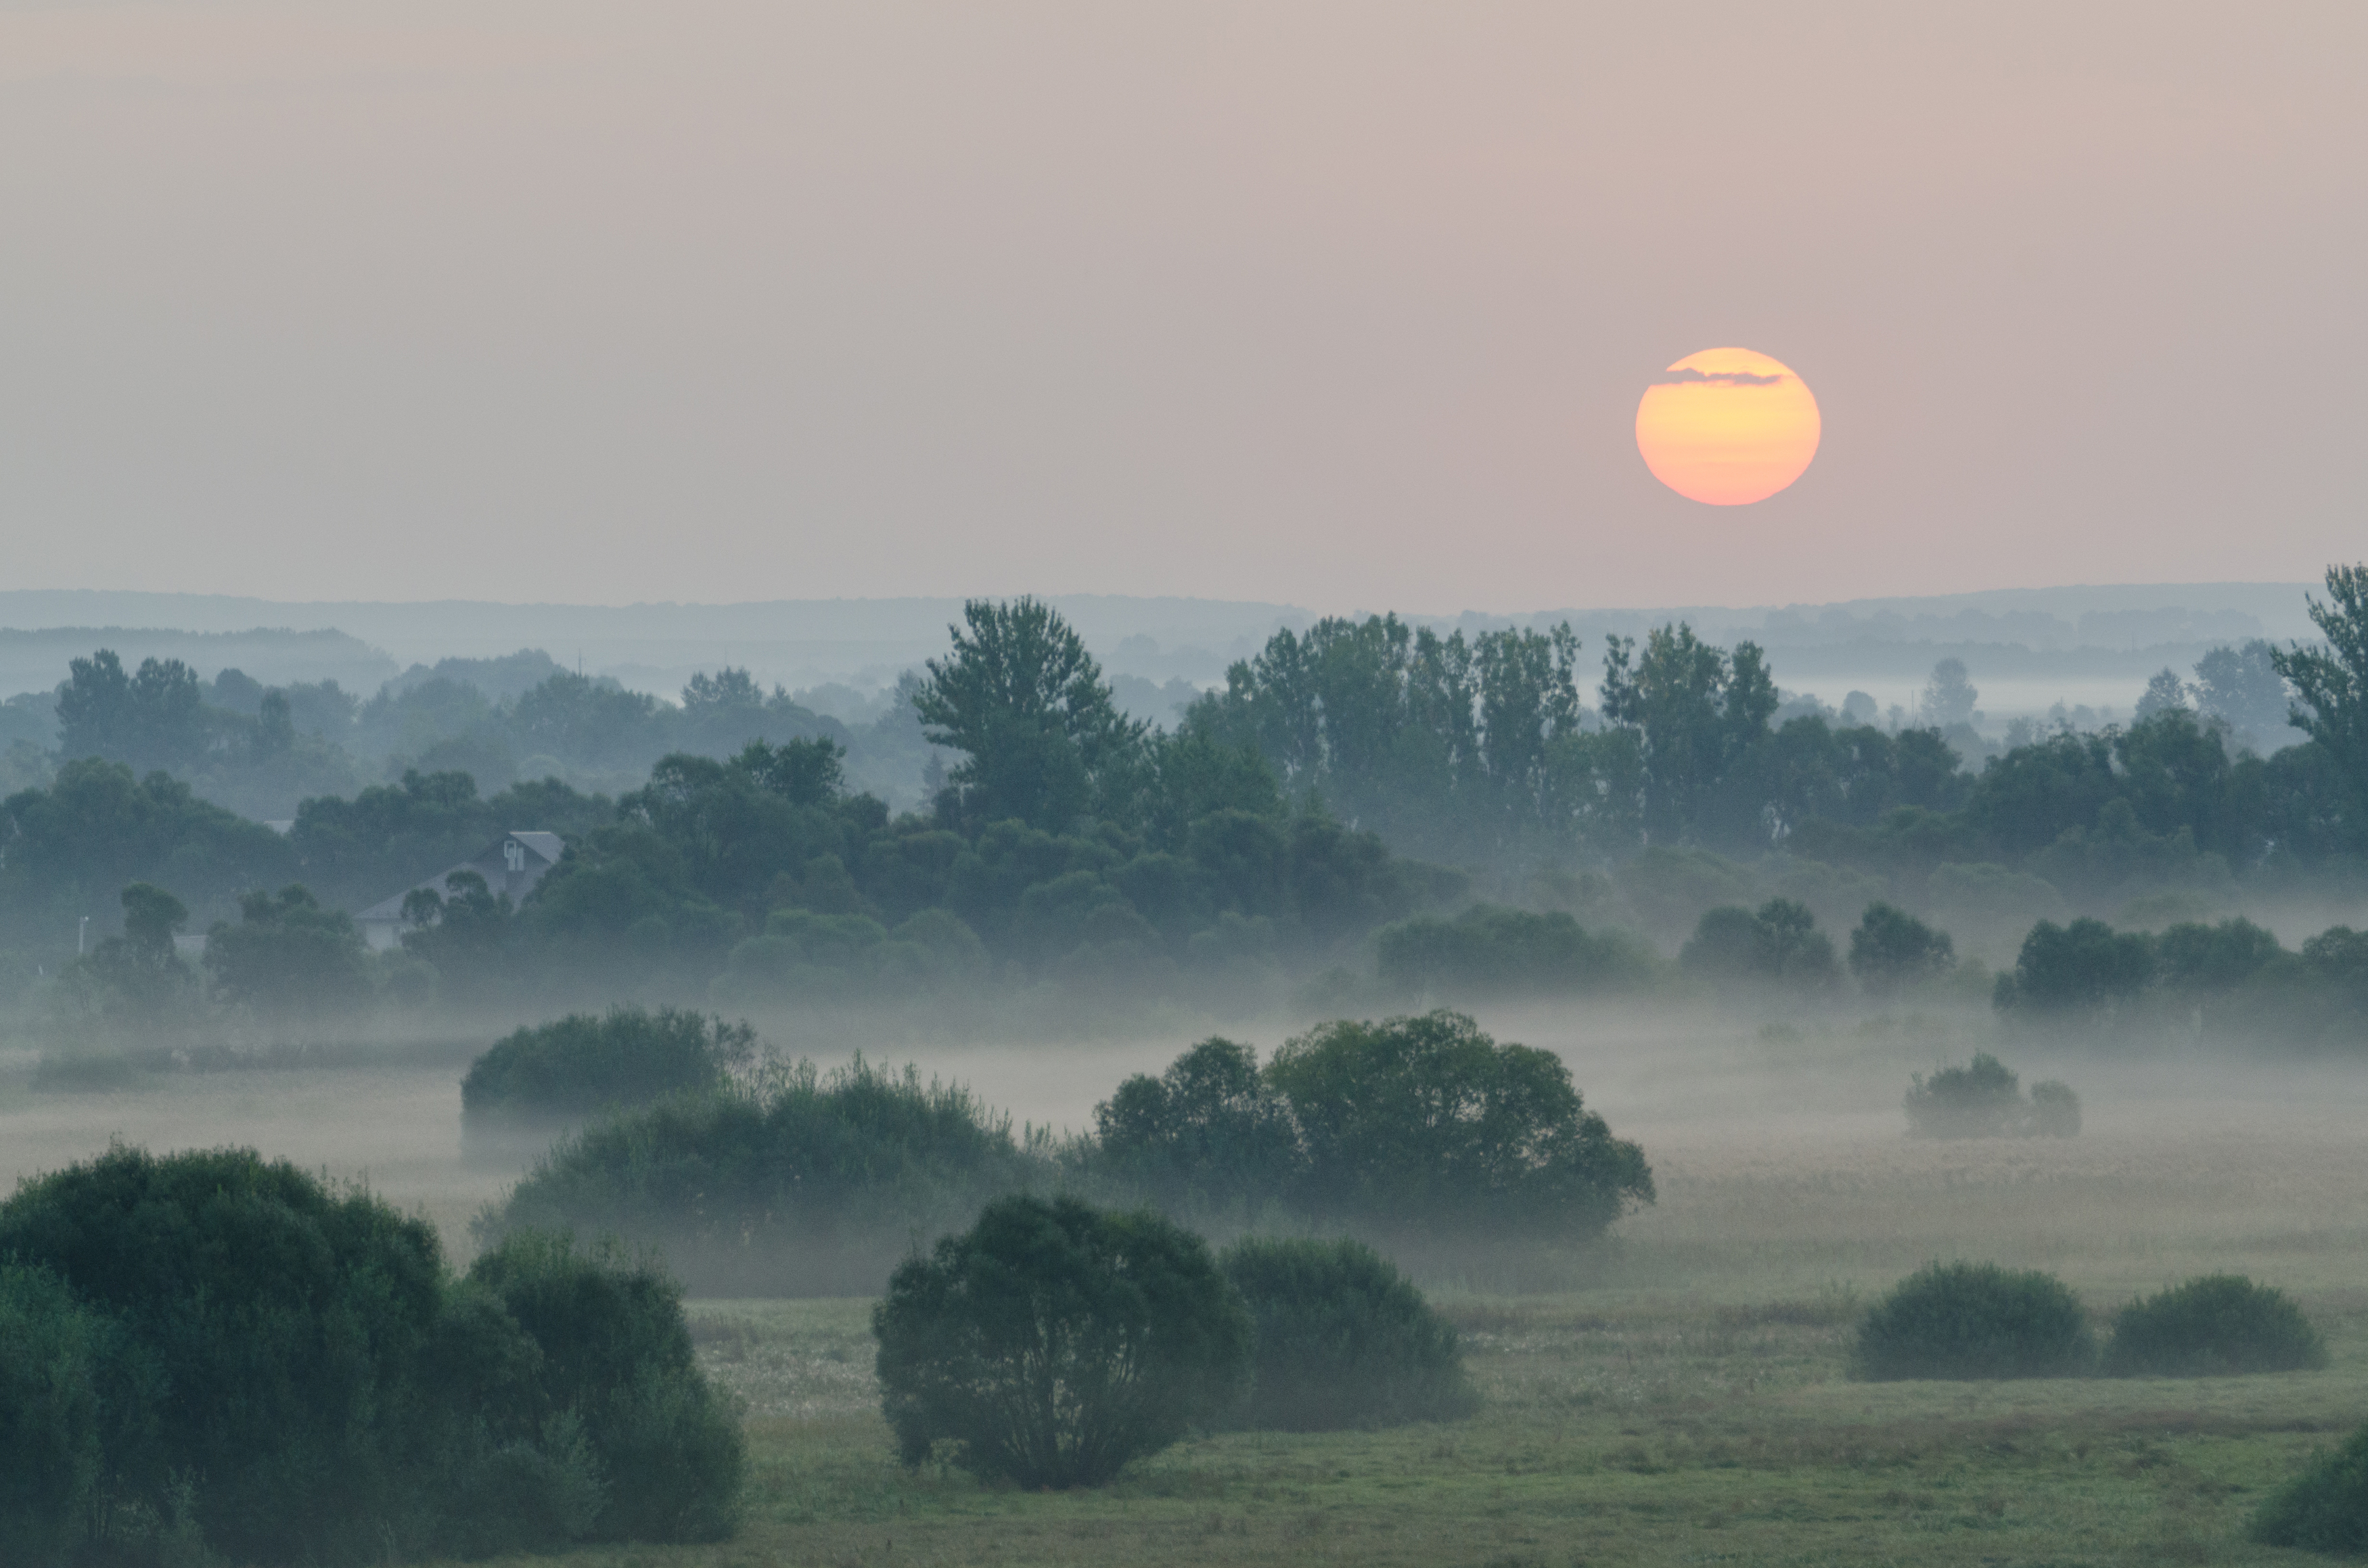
1492	952
2220	1324
1778	944
1054	1343
217	1354
1343	1340
1891	951
588	1062
1422	1133
809	1184
2325	1507
1984	1099
1974	1320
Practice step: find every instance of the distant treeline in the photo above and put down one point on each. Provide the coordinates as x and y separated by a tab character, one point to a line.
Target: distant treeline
261	750
1266	836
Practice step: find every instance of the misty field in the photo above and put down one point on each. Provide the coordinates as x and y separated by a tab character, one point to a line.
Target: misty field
1683	1401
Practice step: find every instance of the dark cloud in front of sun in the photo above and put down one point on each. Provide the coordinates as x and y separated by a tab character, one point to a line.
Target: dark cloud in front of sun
1722	378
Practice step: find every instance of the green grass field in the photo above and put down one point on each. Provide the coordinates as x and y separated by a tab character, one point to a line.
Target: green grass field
1691	1407
1621	1427
1681	1400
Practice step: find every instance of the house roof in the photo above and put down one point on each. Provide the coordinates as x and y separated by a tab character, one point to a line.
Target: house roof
550	845
543	850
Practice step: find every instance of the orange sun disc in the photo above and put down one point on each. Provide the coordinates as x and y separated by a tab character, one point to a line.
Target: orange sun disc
1727	426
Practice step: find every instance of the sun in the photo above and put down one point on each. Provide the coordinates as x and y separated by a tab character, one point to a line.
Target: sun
1727	426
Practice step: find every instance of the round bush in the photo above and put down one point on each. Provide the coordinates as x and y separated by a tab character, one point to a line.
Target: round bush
1974	1319
1054	1343
2054	1110
1343	1340
253	1367
2325	1507
284	1325
816	1185
1425	1131
49	1413
585	1063
615	1360
2217	1325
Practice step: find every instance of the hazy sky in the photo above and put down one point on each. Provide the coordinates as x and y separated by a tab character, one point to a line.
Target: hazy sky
1343	304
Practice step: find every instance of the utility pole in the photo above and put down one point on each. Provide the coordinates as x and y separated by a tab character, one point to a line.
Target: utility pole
81	932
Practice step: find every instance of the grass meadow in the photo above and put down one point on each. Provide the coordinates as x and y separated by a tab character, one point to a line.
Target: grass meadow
1679	1398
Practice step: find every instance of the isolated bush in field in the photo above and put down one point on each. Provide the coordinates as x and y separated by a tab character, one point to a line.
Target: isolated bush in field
2325	1508
1054	1343
1342	1340
1426	1127
2219	1325
1489	950
586	1062
52	1349
1891	951
809	1185
1207	1136
1974	1321
1779	944
1982	1100
615	1360
2054	1110
1985	1100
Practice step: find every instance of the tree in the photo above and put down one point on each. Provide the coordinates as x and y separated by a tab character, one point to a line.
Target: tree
288	957
1779	943
1019	697
1949	696
1697	710
2241	687
136	979
2164	692
2083	968
156	718
1892	949
1426	1127
1207	1133
2330	680
1053	1344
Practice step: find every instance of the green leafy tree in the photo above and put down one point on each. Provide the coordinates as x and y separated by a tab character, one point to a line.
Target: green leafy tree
1208	1135
1019	697
1427	1127
136	979
1697	710
2164	692
1052	1343
154	718
1948	697
1778	944
2330	680
288	957
467	932
2241	687
2082	969
1890	950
